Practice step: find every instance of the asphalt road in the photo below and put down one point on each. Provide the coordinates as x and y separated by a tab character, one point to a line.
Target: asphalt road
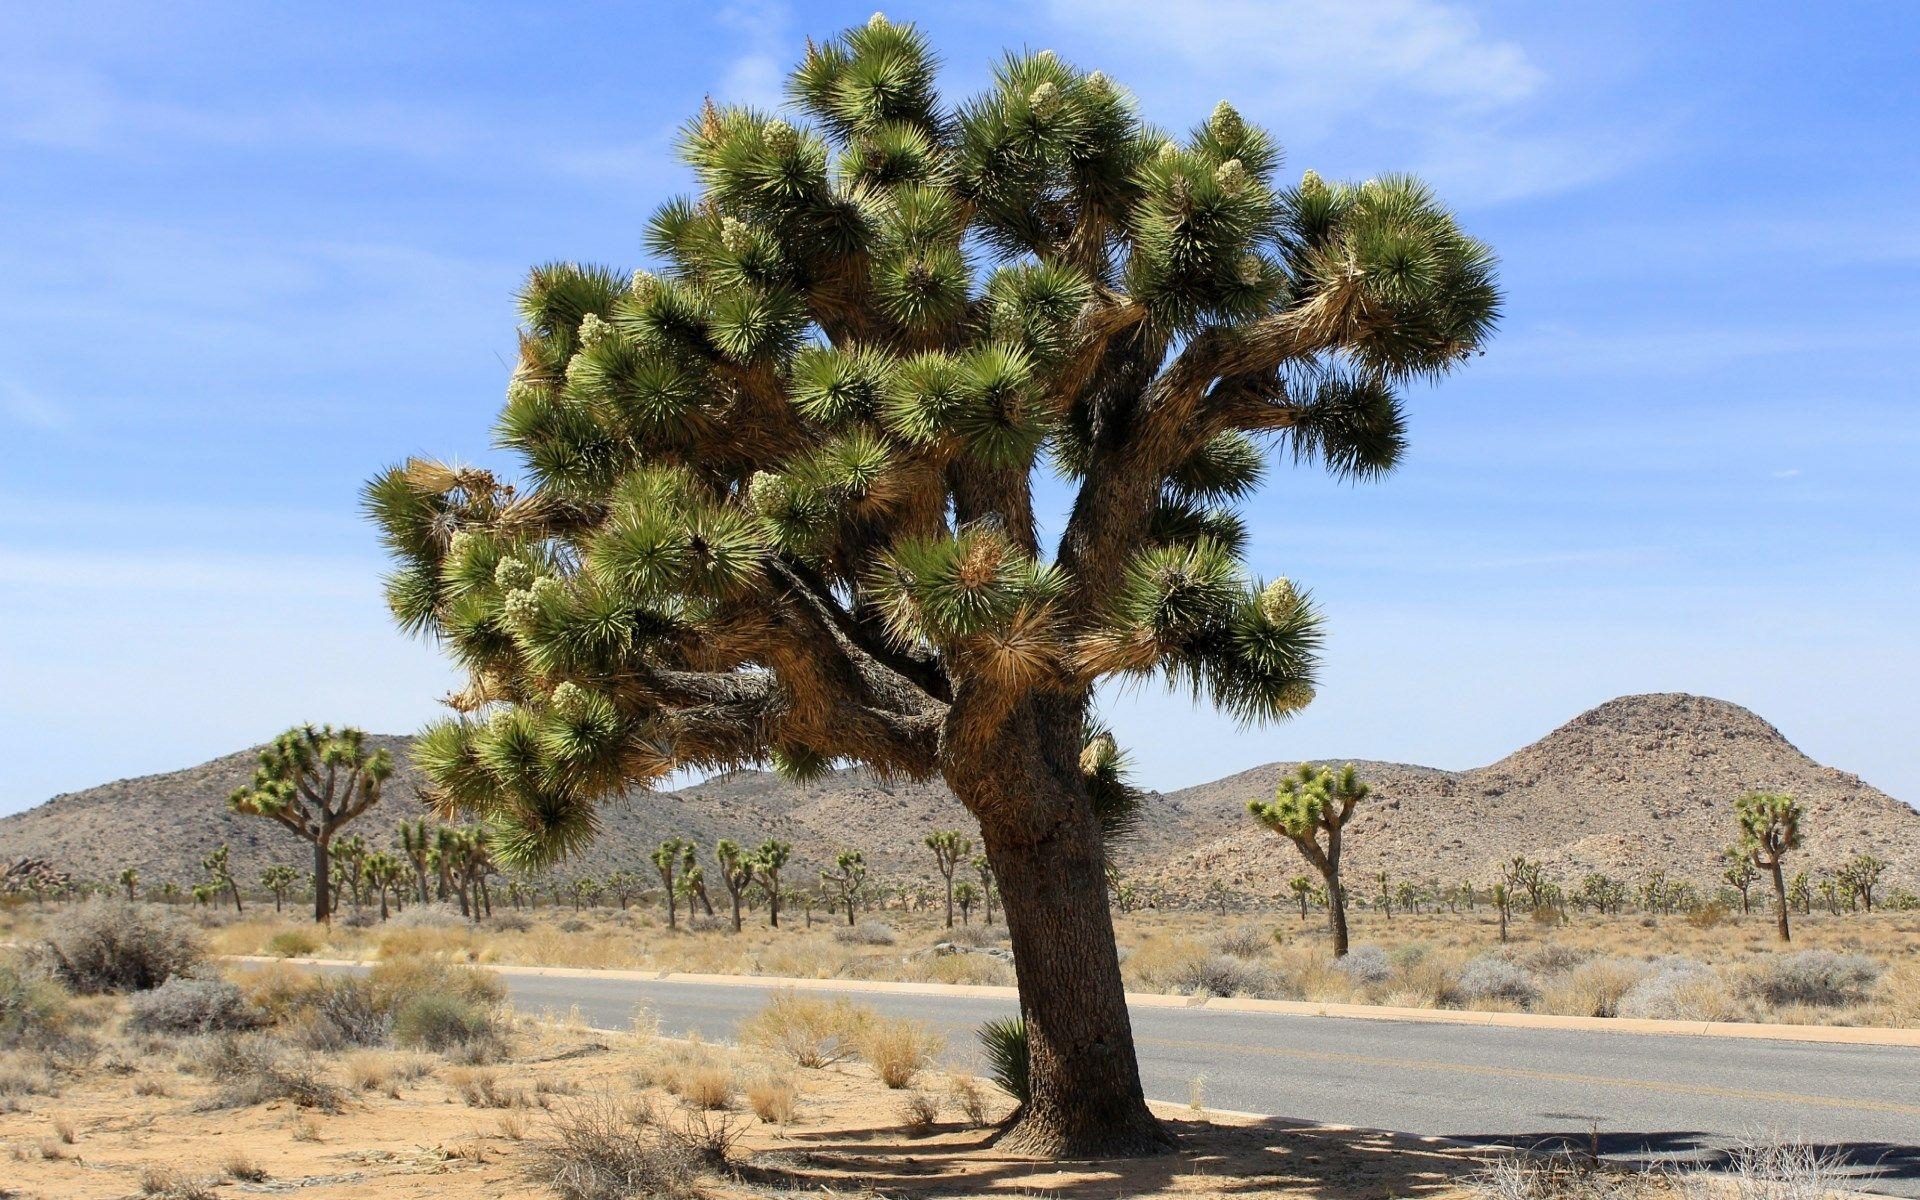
1647	1097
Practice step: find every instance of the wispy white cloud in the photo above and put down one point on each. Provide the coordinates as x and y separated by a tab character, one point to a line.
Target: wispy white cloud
19	406
757	73
1462	104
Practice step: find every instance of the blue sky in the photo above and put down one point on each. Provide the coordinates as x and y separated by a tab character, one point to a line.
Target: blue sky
252	252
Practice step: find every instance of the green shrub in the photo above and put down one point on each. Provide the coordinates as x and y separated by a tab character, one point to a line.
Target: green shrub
446	1023
1004	1042
293	943
35	1012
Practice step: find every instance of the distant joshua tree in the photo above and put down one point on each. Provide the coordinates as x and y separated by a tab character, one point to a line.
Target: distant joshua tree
1769	829
278	880
314	781
768	859
984	869
624	885
1311	808
847	878
417	843
386	874
220	874
666	860
950	848
1301	887
736	873
130	879
1861	875
1740	874
966	896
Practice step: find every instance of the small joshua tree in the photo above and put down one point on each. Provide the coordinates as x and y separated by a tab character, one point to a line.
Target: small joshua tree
1311	808
966	896
1740	874
219	871
130	880
624	885
1302	888
768	859
1861	875
278	879
384	873
417	839
1503	904
847	878
950	847
314	781
983	867
736	872
666	860
1769	829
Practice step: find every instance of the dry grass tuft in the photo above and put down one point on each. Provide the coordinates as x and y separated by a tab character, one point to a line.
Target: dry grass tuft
774	1098
898	1049
807	1030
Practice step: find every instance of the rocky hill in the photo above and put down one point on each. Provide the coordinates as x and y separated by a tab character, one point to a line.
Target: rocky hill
1637	783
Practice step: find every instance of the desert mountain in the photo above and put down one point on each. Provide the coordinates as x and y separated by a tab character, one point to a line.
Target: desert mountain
1638	783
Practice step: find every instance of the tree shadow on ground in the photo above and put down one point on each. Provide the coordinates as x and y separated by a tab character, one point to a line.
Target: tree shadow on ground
1224	1157
1868	1162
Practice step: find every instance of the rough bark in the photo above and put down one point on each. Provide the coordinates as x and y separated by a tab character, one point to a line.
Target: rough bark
1336	912
1780	900
1086	1099
322	875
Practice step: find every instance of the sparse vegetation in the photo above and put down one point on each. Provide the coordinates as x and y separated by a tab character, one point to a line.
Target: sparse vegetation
104	945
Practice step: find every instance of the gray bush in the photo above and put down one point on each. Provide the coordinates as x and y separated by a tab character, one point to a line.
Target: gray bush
511	922
709	924
1366	965
1243	941
428	916
183	1005
1816	977
107	945
1490	977
1221	975
1677	989
866	933
345	1014
252	1068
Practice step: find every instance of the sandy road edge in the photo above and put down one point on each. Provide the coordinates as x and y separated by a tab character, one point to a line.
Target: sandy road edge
1829	1034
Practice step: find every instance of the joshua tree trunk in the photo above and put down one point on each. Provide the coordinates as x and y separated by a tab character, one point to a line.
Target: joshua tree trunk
1780	900
1336	911
1044	843
322	874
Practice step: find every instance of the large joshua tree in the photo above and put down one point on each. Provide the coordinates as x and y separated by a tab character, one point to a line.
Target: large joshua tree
314	781
779	502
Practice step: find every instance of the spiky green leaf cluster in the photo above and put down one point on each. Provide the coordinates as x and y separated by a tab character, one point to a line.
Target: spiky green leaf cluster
776	501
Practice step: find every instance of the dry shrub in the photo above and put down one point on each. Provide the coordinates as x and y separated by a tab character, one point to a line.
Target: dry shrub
774	1098
969	1097
605	1150
1898	996
919	1111
1244	941
898	1049
252	1069
806	1030
451	1025
1812	977
107	945
165	1183
1221	975
35	1011
376	1070
866	933
184	1006
1594	988
480	1087
239	1167
1680	989
1490	978
708	1087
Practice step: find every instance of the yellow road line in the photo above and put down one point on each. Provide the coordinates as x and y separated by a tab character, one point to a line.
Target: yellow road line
1457	1068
